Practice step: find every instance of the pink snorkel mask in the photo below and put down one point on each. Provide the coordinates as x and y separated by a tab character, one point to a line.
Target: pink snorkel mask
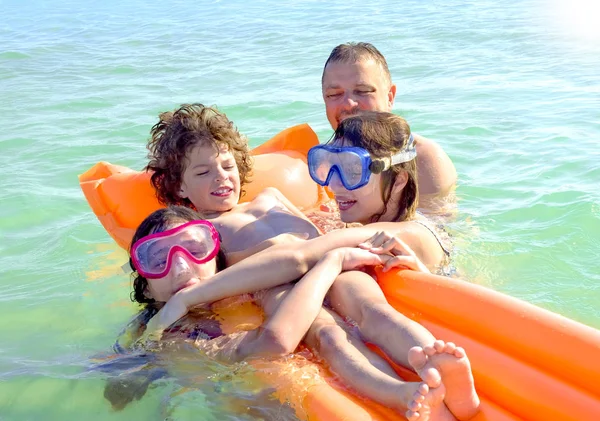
152	255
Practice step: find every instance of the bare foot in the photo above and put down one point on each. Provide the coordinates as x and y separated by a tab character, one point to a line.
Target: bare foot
428	405
428	372
452	364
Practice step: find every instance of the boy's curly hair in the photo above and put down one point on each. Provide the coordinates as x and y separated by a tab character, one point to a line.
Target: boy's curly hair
179	131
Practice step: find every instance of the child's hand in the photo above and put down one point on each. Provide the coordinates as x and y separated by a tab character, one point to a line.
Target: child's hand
172	311
353	258
385	243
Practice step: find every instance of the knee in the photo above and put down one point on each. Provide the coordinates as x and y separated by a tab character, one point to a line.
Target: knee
330	337
275	343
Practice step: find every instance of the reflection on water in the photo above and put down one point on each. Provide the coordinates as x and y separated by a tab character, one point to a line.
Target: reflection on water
269	389
191	364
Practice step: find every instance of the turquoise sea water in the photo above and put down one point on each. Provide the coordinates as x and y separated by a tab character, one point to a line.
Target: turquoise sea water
511	90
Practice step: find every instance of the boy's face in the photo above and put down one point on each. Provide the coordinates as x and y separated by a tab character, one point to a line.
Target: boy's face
211	180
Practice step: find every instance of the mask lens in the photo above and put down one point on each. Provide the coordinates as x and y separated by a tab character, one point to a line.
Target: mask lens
352	169
152	254
350	163
320	162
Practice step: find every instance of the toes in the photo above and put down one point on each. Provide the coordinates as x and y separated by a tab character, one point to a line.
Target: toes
414	406
411	415
459	352
439	345
429	350
423	390
418	399
450	347
431	376
417	358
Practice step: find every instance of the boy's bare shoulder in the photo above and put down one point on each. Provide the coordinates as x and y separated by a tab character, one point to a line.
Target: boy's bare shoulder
270	191
267	199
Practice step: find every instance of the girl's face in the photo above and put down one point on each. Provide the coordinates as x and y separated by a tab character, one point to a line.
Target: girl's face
361	204
211	180
357	205
183	273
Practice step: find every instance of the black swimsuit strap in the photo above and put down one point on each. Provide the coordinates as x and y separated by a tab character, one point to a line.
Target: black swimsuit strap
435	234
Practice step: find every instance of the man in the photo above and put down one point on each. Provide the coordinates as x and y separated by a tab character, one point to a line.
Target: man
356	78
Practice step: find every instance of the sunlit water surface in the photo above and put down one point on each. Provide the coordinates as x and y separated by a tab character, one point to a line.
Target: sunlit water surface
511	90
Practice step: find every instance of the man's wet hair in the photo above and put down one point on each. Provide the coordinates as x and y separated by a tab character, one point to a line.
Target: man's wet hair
353	52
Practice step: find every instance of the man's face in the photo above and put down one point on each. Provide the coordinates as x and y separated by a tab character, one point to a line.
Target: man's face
349	88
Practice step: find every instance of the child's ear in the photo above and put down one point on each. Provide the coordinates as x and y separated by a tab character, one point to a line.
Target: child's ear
400	183
183	193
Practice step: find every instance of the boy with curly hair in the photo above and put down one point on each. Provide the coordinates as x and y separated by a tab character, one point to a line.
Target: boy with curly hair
200	160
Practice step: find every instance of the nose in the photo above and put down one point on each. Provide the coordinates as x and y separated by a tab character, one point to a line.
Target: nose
180	265
335	182
222	174
349	103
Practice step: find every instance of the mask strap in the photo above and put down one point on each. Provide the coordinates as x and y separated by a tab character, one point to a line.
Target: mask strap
408	153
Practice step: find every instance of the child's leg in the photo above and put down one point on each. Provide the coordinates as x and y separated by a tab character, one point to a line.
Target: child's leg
359	367
358	296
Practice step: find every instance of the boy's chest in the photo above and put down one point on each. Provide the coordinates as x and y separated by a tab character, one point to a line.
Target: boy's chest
258	221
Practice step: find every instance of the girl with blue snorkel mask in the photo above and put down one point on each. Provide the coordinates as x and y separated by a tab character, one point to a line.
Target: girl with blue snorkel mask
366	152
370	167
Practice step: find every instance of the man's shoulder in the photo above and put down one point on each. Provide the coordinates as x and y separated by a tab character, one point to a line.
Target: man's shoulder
431	151
437	173
426	145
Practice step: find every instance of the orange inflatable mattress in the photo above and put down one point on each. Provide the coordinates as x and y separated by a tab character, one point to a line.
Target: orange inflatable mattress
528	363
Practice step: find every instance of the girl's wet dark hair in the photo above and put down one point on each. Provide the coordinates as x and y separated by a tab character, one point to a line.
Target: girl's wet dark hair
159	221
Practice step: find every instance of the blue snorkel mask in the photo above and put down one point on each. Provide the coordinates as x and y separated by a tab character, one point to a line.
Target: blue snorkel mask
352	164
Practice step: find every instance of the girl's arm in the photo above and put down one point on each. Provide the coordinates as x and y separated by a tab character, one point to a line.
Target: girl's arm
299	307
275	266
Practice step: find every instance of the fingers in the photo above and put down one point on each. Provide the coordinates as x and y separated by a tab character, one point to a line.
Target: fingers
354	258
383	242
375	241
366	258
410	262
